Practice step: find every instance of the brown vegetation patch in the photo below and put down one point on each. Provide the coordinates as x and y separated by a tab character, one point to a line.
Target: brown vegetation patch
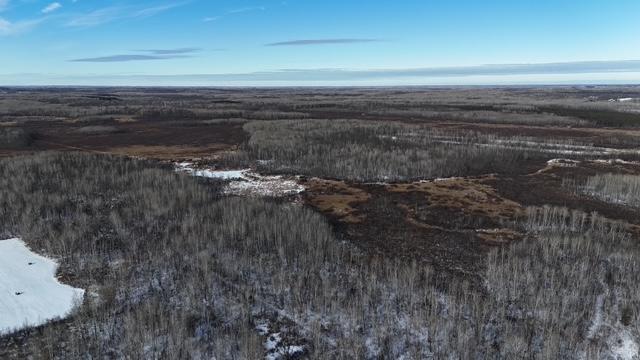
499	236
336	198
439	222
467	195
175	153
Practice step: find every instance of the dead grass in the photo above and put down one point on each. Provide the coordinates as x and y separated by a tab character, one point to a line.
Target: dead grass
179	152
336	198
499	236
468	195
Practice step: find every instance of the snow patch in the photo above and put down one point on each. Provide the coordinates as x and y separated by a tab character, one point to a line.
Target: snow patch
373	348
615	161
210	174
625	348
263	329
273	341
30	294
257	185
277	350
563	162
596	322
448	179
245	182
286	352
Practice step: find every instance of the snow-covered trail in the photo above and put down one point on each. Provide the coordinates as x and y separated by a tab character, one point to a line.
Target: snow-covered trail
30	294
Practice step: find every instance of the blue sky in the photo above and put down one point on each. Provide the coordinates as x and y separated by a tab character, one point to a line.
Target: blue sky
313	42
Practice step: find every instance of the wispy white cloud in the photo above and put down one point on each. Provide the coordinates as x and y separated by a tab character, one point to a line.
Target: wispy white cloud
235	11
4	26
322	42
246	9
51	7
96	17
154	10
129	57
113	13
8	28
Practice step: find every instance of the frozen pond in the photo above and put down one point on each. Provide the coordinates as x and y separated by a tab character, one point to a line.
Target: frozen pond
30	293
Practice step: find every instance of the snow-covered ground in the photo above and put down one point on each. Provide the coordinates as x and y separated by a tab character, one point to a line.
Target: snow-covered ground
542	146
563	162
624	347
615	161
245	182
211	174
30	294
275	346
573	163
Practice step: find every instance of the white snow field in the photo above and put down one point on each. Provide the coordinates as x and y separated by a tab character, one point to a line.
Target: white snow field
30	294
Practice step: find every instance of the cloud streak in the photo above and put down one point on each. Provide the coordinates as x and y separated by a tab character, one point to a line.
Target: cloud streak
246	9
51	7
185	50
8	28
308	42
128	57
153	54
155	10
96	17
113	13
233	12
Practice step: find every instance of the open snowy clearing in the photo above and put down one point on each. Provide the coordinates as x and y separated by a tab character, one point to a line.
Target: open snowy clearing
30	294
211	174
560	162
245	182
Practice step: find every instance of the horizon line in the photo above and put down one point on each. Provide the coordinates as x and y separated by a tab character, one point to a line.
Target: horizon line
573	72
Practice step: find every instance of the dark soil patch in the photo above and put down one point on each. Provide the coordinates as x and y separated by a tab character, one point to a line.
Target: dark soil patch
140	139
